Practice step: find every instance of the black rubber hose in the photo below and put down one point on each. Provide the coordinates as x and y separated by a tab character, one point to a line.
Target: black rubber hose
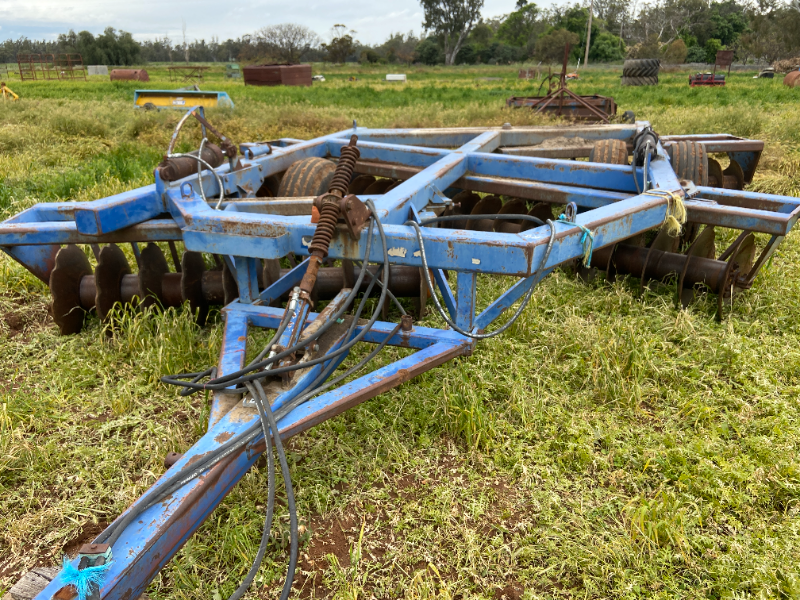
515	316
265	533
293	532
235	378
226	383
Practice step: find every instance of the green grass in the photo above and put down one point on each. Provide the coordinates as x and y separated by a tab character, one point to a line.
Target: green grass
607	446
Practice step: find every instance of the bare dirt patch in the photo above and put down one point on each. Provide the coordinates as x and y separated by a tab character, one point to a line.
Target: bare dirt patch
23	315
88	532
334	539
14	568
513	591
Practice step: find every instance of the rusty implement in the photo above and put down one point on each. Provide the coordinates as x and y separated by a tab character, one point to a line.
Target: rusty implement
566	104
563	102
334	242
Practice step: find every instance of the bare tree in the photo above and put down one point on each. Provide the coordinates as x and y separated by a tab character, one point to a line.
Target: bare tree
286	42
452	20
666	18
589	33
185	45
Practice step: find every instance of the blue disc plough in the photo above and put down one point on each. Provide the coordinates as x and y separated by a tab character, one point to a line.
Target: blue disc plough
274	230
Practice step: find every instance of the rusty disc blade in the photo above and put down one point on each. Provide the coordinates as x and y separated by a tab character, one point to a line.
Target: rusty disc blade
360	183
745	255
733	176
705	244
112	266
540	210
715	174
463	203
192	268
65	284
515	206
394	185
378	187
665	242
490	205
152	268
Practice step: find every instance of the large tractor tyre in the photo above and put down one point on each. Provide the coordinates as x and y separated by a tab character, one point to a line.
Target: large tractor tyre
307	177
612	152
689	161
639	80
640	72
645	67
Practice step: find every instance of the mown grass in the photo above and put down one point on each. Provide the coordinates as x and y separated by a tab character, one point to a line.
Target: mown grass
608	446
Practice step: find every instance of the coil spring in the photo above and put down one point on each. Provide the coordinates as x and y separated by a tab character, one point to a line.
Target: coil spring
344	169
328	217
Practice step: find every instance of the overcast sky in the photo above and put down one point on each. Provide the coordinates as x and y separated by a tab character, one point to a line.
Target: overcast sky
373	20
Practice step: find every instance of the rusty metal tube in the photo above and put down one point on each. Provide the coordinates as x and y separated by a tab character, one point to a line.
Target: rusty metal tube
172	169
404	282
630	260
87	292
129	288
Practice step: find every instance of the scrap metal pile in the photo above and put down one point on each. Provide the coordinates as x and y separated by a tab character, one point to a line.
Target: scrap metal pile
273	229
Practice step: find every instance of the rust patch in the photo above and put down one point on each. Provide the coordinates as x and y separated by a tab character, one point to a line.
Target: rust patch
195	458
223	437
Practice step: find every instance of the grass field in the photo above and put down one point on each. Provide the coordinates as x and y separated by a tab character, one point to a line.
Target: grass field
608	446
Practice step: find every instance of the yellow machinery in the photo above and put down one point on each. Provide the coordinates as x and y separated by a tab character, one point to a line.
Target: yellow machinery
6	92
182	99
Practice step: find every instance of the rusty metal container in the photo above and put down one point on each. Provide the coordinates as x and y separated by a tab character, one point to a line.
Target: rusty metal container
129	75
277	75
792	79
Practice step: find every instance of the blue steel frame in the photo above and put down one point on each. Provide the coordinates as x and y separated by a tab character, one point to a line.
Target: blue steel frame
431	161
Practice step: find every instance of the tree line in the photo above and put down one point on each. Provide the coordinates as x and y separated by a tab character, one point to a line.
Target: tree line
456	32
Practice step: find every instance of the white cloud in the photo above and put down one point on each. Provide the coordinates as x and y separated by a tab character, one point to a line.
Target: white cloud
147	19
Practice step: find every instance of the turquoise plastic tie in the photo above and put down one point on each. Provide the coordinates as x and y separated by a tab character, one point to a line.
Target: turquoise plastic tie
83	579
587	239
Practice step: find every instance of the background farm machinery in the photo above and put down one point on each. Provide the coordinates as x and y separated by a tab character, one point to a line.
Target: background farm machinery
561	101
271	230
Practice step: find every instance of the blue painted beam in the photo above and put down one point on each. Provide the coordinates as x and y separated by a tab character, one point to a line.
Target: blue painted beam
742	199
337	401
419	337
146	546
465	299
506	300
119	211
444	289
231	359
66	232
273	236
247	278
553	170
284	284
420	189
415	156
